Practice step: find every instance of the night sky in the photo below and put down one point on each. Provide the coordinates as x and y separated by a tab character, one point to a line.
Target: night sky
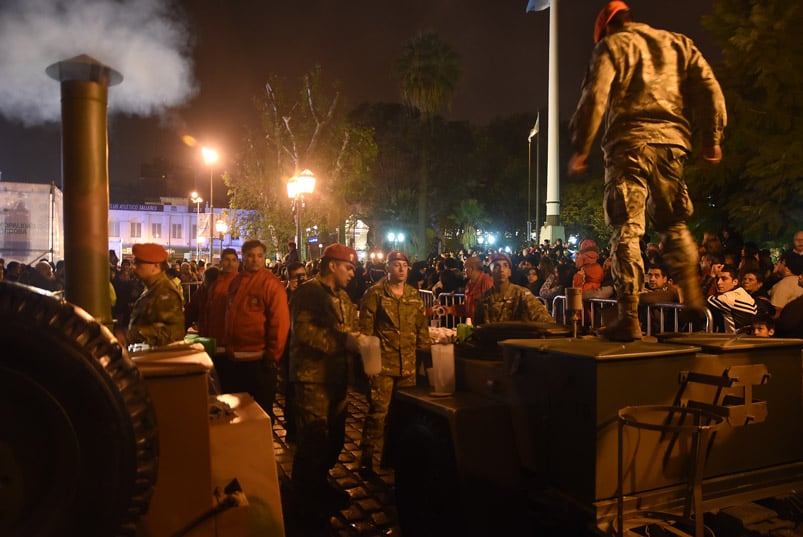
232	47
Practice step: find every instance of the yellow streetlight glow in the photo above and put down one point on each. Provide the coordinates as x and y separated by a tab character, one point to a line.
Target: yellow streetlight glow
297	186
210	155
303	183
197	200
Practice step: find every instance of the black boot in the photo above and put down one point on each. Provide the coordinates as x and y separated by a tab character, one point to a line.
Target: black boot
626	327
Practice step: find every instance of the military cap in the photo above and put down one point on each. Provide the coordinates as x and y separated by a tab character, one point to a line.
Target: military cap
605	16
149	253
499	256
396	255
340	252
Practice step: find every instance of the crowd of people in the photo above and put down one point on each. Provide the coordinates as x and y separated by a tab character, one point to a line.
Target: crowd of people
298	326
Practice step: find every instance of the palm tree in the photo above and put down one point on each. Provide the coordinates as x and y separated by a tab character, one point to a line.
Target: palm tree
469	216
429	70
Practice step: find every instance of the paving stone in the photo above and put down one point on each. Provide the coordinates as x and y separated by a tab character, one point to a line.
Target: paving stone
357	493
380	518
373	511
370	505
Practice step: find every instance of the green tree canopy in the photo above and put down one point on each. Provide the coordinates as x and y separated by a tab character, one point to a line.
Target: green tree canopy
759	185
305	128
429	70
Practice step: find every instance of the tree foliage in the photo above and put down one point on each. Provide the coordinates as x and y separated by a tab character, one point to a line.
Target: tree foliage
759	185
429	70
299	129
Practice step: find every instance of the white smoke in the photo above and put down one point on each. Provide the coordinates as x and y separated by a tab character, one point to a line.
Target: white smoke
145	40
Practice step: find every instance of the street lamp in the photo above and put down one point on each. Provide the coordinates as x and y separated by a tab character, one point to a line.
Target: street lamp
297	186
396	238
197	200
222	228
210	158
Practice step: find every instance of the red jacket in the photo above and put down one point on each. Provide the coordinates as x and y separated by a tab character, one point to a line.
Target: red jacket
257	317
474	291
212	308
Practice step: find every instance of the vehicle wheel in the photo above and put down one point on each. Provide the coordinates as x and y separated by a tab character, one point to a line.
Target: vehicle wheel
427	485
78	436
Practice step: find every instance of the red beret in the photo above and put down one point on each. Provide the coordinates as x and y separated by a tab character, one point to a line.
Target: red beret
396	255
149	252
501	257
340	252
605	16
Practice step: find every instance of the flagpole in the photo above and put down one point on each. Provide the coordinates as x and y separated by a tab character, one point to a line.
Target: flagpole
529	190
537	188
533	132
553	229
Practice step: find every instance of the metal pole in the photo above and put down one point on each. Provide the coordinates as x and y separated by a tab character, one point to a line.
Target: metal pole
299	203
197	227
529	190
85	175
537	189
211	215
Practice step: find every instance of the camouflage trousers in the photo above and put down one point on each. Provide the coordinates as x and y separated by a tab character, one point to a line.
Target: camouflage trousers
642	182
321	423
379	398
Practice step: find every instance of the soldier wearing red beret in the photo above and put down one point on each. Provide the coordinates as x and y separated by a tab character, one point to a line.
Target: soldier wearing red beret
158	315
393	311
322	341
506	301
652	89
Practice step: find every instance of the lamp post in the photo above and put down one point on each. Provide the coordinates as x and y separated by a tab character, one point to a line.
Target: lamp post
297	186
533	133
210	157
197	200
222	228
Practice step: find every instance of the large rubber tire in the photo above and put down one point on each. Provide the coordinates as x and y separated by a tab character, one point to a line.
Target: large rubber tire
78	436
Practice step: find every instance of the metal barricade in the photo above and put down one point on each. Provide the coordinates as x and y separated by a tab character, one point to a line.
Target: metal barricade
450	299
189	289
660	310
597	305
559	311
429	299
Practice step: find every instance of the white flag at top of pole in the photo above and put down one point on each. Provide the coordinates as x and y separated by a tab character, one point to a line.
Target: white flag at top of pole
536	127
537	5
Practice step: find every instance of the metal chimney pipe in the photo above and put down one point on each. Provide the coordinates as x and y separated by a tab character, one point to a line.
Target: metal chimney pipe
85	174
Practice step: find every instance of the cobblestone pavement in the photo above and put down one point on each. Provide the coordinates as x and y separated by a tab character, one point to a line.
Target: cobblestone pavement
372	511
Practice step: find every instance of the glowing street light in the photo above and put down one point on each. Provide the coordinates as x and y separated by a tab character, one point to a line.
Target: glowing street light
197	200
297	186
396	238
210	157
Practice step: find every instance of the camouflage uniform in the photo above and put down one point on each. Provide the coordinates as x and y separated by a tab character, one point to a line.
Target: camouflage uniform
157	317
319	367
510	302
645	82
400	323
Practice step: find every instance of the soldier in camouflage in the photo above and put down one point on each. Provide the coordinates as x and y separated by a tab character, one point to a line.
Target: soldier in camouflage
647	84
323	339
158	316
394	312
507	301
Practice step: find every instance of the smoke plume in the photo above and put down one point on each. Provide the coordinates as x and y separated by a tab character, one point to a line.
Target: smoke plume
145	40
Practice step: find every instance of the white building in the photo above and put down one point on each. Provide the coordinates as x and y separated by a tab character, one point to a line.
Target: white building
184	231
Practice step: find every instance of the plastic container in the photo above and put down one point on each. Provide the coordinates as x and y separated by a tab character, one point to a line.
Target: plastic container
441	375
371	354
